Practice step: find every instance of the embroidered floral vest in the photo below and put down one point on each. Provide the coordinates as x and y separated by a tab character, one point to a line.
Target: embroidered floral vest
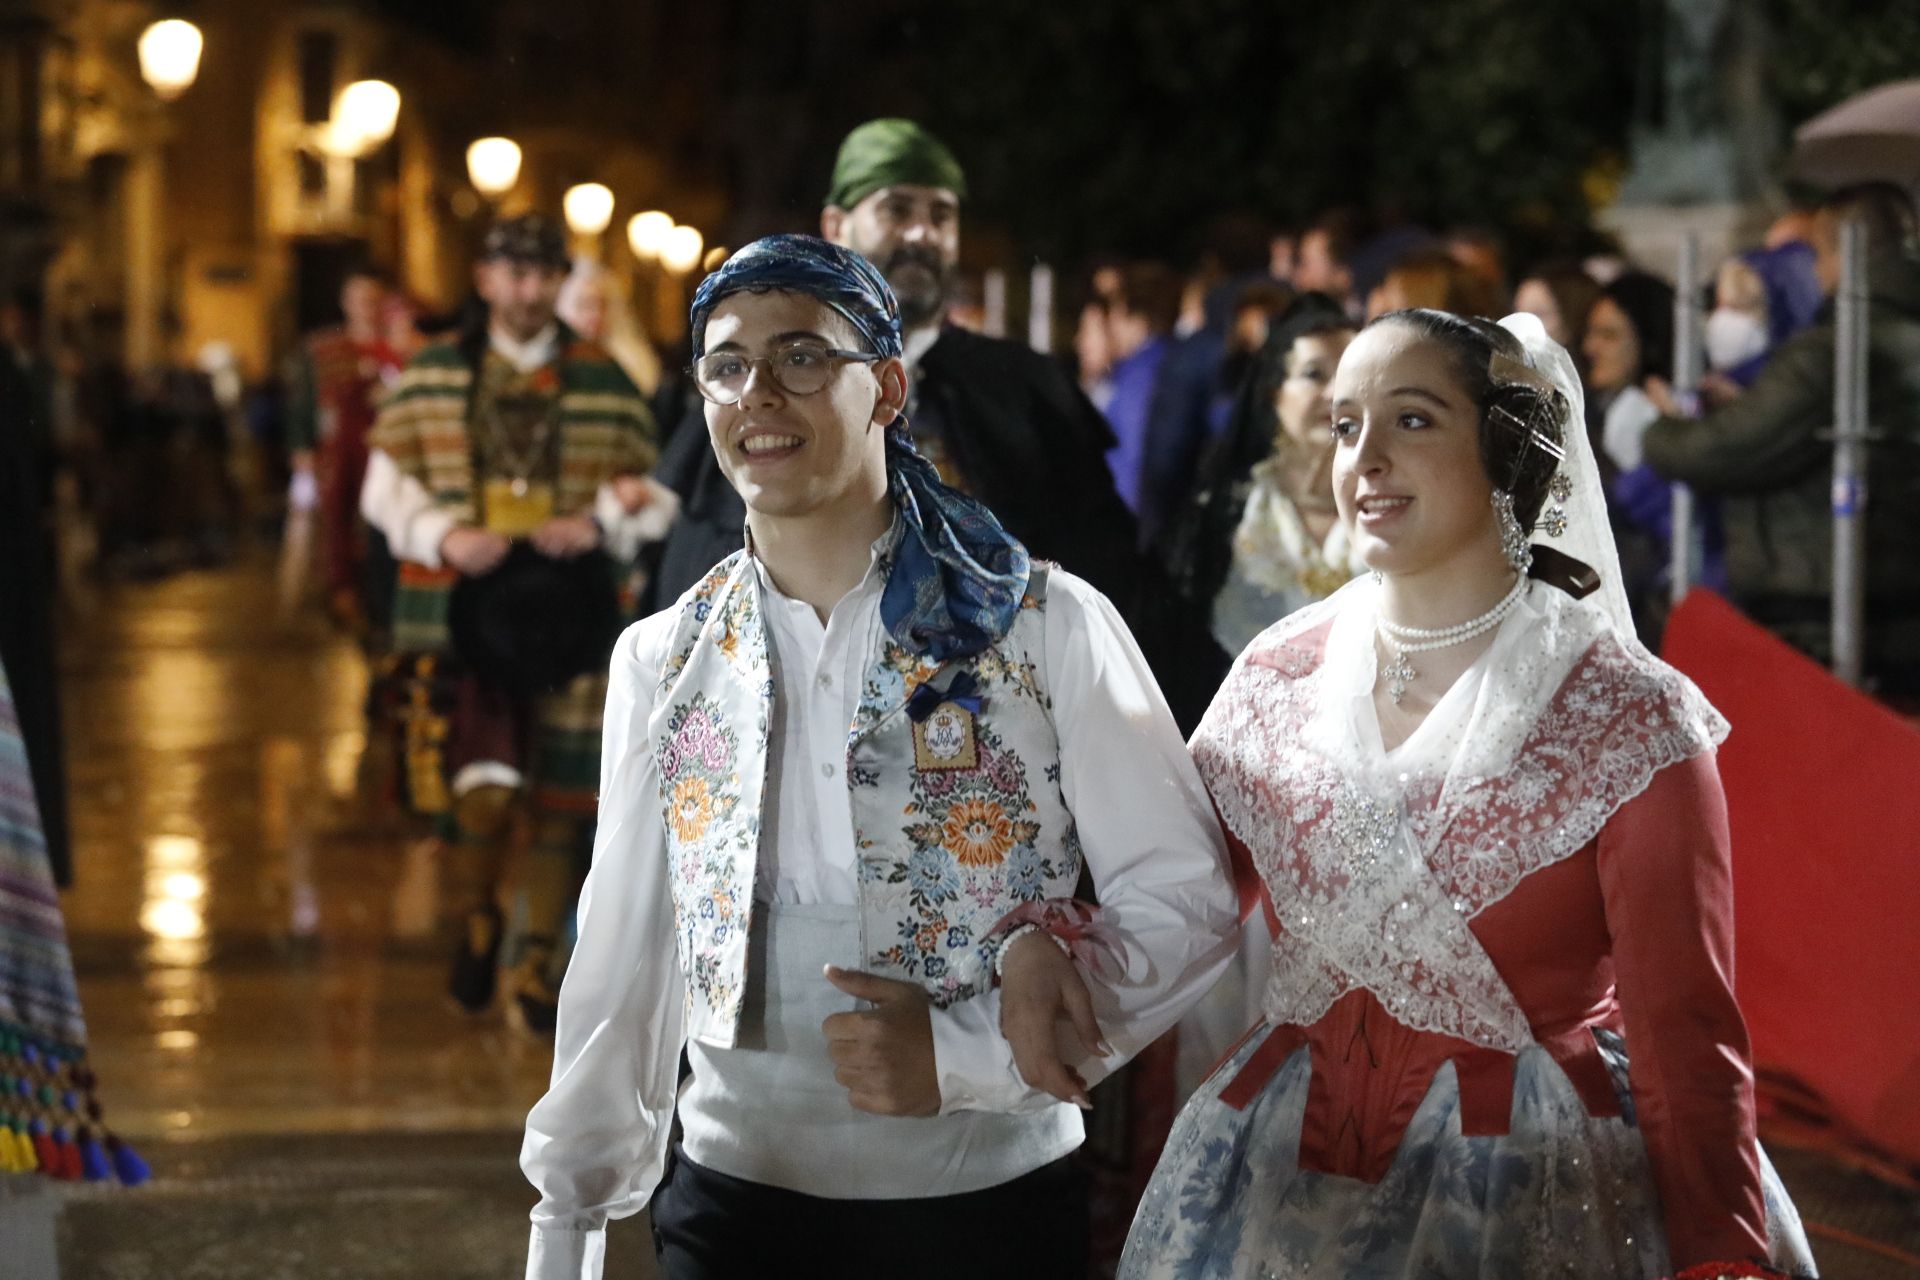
951	834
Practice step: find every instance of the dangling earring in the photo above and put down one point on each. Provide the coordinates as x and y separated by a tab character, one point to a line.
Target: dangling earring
1513	539
1560	488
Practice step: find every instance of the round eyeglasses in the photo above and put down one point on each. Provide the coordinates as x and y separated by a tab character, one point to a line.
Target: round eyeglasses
800	369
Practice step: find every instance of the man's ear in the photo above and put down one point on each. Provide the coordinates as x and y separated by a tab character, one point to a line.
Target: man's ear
892	376
833	224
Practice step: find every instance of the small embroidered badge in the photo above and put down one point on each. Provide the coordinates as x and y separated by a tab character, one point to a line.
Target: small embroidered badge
945	739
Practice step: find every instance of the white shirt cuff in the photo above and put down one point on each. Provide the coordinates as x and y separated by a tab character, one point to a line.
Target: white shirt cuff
974	1063
425	532
401	508
559	1253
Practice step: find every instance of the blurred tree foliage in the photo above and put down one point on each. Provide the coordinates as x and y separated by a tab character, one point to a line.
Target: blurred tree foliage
1826	50
1118	125
1105	124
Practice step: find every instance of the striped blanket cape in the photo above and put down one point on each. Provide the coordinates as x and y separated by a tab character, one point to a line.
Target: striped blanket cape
49	1119
605	431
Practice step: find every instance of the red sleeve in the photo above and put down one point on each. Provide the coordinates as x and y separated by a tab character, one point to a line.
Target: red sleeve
1247	884
1666	878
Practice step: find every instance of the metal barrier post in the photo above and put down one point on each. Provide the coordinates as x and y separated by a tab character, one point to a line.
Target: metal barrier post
993	303
1040	309
1688	364
1850	454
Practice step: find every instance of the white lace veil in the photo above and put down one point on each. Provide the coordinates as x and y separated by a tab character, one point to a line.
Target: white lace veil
1588	537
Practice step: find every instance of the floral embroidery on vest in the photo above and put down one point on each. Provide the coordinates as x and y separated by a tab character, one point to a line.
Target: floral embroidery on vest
943	852
971	843
700	776
712	753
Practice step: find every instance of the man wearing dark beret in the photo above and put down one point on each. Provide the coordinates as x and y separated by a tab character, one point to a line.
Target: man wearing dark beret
850	779
517	449
998	420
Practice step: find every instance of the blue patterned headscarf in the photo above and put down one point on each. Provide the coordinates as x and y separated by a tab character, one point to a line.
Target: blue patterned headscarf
957	577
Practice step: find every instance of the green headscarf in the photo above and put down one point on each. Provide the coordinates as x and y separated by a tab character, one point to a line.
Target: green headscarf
885	153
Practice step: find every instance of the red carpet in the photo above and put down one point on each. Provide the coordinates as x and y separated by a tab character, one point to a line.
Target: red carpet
1823	787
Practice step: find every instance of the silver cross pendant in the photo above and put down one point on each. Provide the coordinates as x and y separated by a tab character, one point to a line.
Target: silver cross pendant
1399	674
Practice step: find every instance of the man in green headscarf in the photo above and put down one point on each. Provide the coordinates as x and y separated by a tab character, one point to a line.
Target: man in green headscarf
895	198
998	420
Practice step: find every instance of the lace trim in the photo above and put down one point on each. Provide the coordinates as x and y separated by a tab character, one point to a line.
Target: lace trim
1375	880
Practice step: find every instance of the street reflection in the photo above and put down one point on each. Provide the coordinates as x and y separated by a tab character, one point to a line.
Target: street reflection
343	763
261	938
172	912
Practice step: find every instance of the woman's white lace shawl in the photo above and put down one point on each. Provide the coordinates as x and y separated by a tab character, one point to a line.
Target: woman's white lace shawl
1376	863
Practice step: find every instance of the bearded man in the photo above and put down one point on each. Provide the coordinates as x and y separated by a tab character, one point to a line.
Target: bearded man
999	421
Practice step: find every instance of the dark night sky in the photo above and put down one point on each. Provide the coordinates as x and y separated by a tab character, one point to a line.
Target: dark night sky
1128	125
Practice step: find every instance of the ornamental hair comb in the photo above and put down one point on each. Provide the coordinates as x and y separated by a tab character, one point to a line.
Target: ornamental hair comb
1529	428
1507	371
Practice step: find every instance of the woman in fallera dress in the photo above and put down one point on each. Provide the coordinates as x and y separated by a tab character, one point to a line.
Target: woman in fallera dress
1500	1038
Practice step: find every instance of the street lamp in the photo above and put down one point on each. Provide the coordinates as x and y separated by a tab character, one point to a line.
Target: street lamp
493	164
363	118
170	56
589	208
681	252
364	115
647	233
169	61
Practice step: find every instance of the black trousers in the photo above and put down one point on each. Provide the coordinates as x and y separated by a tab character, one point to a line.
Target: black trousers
708	1226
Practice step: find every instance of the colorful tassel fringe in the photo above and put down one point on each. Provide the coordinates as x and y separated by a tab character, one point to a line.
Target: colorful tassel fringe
50	1119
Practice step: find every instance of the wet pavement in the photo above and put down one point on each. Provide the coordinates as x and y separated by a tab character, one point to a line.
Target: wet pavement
262	952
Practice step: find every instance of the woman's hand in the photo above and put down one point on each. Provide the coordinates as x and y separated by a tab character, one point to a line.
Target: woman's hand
1040	984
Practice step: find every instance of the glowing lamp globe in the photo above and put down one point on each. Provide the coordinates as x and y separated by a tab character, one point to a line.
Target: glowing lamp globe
647	233
681	252
589	208
493	165
366	112
170	56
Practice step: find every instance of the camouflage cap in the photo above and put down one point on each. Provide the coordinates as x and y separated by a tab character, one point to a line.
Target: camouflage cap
530	237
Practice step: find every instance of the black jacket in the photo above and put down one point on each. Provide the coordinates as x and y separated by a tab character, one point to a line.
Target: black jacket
1768	458
1031	445
27	596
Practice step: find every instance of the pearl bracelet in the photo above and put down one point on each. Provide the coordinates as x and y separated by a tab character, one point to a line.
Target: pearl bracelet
1007	940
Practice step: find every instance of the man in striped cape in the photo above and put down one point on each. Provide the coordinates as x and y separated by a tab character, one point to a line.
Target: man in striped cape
517	432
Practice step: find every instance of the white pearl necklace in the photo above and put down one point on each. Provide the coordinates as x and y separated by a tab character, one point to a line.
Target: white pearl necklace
1402	640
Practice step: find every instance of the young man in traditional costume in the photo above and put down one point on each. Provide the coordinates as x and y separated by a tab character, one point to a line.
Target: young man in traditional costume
846	780
514	454
1000	421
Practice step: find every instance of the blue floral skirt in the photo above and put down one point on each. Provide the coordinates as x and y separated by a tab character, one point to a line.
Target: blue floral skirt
1563	1194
